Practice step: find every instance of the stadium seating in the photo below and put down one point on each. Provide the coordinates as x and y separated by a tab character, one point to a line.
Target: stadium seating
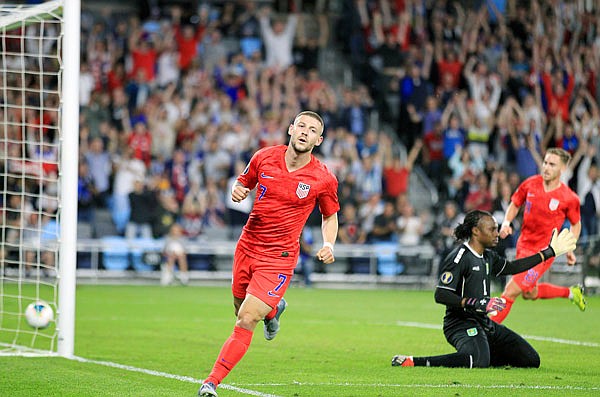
115	253
139	247
387	259
417	260
84	230
200	262
103	224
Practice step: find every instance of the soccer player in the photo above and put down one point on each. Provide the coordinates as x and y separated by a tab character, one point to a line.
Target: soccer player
289	181
464	287
548	203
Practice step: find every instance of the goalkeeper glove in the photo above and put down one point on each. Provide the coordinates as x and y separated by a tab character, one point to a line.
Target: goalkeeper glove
560	243
486	305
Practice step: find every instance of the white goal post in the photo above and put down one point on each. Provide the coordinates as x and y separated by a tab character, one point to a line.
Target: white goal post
39	150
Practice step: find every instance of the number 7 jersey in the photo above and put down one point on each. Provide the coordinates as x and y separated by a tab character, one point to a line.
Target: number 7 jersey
284	201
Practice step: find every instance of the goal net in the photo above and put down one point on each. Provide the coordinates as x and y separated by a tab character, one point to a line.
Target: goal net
33	174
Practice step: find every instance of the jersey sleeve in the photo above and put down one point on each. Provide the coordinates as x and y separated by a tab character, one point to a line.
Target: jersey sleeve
328	198
573	210
452	270
249	177
519	196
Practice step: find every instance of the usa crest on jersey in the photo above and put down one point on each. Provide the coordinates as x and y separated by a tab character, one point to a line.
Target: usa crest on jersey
302	190
553	204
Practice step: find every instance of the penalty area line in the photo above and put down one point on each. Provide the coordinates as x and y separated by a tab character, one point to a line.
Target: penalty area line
533	337
169	376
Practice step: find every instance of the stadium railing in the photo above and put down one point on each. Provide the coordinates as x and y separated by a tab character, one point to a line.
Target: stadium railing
212	260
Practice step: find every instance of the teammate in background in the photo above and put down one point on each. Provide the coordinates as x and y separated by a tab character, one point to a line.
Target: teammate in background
289	182
548	203
464	287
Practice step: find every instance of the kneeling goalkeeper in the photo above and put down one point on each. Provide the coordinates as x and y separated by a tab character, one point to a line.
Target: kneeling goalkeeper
464	287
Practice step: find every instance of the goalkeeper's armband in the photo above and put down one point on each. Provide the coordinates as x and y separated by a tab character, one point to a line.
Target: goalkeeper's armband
547	253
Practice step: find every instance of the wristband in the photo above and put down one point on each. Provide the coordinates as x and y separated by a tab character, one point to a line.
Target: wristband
505	223
547	253
235	184
328	244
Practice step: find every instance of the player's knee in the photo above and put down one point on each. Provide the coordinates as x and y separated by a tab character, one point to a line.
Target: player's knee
481	360
480	357
534	361
530	359
247	320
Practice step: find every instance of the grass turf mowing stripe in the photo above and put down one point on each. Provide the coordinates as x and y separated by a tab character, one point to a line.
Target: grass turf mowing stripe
534	337
170	376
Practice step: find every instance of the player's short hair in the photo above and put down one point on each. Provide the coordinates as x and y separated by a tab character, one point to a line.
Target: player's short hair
565	156
463	231
312	114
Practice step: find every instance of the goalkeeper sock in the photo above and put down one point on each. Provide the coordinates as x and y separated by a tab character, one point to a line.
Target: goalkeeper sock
452	360
231	353
549	291
498	318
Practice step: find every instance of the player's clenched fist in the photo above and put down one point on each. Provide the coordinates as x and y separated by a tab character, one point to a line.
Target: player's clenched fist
239	192
325	254
505	230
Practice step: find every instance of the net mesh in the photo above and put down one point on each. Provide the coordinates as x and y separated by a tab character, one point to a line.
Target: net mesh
30	136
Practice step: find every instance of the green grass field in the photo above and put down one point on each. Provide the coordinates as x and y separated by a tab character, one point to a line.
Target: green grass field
153	341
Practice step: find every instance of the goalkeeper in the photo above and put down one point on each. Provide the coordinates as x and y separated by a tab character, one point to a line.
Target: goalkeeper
464	287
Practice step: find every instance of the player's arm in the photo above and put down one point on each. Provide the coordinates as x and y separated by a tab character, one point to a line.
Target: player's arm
329	229
482	304
451	277
559	244
447	297
446	292
509	216
576	230
247	180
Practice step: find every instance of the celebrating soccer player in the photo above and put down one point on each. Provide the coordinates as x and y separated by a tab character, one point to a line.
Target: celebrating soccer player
464	287
289	181
548	203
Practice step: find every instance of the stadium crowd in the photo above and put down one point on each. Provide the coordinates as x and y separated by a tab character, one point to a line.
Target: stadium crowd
173	105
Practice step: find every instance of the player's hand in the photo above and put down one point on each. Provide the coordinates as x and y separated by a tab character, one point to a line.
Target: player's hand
239	192
505	230
495	306
571	258
486	305
325	255
563	242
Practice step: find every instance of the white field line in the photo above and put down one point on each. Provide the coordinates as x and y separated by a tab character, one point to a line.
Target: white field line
439	386
170	376
244	390
533	337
